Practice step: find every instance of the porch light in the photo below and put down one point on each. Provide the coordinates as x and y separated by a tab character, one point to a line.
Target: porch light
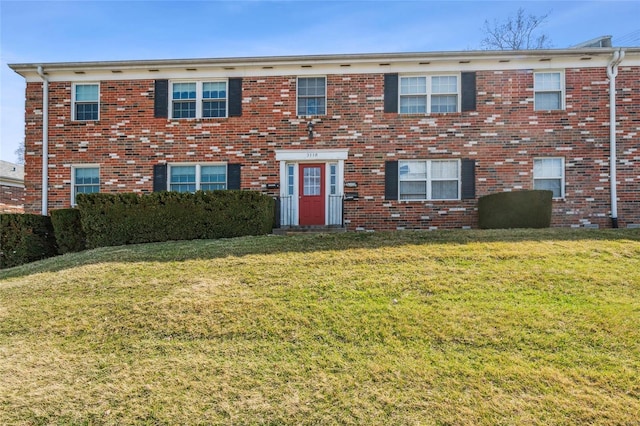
310	126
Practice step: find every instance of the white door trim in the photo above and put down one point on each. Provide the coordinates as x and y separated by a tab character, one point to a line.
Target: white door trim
290	212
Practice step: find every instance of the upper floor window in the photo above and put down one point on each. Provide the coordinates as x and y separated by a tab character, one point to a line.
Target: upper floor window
197	177
85	180
548	90
429	180
312	95
196	99
86	99
434	94
548	173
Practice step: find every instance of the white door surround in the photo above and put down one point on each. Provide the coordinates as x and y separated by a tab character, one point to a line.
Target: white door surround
289	182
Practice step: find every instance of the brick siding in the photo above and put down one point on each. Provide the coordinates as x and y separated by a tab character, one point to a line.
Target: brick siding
504	134
12	199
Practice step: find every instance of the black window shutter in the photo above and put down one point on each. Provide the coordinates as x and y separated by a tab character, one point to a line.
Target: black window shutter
391	93
468	179
390	180
159	177
235	97
233	176
468	81
161	100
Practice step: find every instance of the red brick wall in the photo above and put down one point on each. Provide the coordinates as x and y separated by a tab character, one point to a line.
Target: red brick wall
11	199
503	135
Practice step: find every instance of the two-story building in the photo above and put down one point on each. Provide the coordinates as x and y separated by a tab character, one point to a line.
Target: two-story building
364	141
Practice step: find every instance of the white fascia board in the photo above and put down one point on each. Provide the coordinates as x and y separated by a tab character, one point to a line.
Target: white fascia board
325	65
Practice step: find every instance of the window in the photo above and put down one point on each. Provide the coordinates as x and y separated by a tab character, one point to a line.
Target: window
312	95
197	99
436	94
194	177
85	180
86	101
290	179
214	103
548	90
184	100
548	173
333	179
429	180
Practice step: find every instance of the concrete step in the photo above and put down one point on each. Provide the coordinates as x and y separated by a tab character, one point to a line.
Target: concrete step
293	230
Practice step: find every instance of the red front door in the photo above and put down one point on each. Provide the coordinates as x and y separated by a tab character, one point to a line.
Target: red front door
311	194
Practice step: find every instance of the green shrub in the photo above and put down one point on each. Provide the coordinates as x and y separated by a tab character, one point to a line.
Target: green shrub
519	209
68	230
25	238
117	219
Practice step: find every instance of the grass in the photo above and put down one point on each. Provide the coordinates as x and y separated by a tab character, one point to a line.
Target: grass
430	328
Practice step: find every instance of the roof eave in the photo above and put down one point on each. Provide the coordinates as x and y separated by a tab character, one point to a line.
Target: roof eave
327	59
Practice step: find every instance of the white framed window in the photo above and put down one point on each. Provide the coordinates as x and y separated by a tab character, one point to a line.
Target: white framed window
85	179
433	94
197	177
86	101
199	99
291	172
548	88
548	173
312	96
429	179
333	179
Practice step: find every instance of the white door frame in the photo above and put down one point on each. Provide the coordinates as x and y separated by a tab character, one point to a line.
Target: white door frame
297	156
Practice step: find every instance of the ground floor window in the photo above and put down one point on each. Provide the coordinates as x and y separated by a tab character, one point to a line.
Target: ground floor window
548	173
197	177
429	179
85	180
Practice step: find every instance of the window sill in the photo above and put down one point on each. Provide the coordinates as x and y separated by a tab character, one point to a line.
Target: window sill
428	114
549	111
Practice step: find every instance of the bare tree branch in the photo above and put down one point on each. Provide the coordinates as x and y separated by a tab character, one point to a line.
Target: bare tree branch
515	33
19	153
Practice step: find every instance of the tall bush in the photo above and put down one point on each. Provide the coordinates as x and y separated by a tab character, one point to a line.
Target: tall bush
25	238
68	230
117	219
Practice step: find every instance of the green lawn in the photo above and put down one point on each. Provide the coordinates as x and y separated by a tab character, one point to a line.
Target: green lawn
429	328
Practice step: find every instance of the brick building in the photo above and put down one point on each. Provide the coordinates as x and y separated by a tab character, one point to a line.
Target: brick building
12	192
364	141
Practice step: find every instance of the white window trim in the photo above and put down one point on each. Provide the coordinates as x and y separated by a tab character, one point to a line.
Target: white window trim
562	177
429	92
198	167
73	100
562	89
325	95
199	98
429	180
75	167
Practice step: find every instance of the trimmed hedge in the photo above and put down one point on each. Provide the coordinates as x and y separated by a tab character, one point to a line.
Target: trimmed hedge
519	209
127	218
68	230
25	238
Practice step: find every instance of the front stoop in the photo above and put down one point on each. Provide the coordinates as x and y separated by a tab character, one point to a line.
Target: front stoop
293	230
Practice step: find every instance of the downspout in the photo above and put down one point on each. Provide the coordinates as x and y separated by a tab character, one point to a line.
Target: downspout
612	72
45	141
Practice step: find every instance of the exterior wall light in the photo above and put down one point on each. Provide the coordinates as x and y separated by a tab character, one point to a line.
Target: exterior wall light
310	126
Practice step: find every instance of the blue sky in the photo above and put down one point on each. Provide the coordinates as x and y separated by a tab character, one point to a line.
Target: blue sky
59	31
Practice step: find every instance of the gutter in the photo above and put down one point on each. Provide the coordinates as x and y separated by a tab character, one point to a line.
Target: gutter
45	141
612	72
